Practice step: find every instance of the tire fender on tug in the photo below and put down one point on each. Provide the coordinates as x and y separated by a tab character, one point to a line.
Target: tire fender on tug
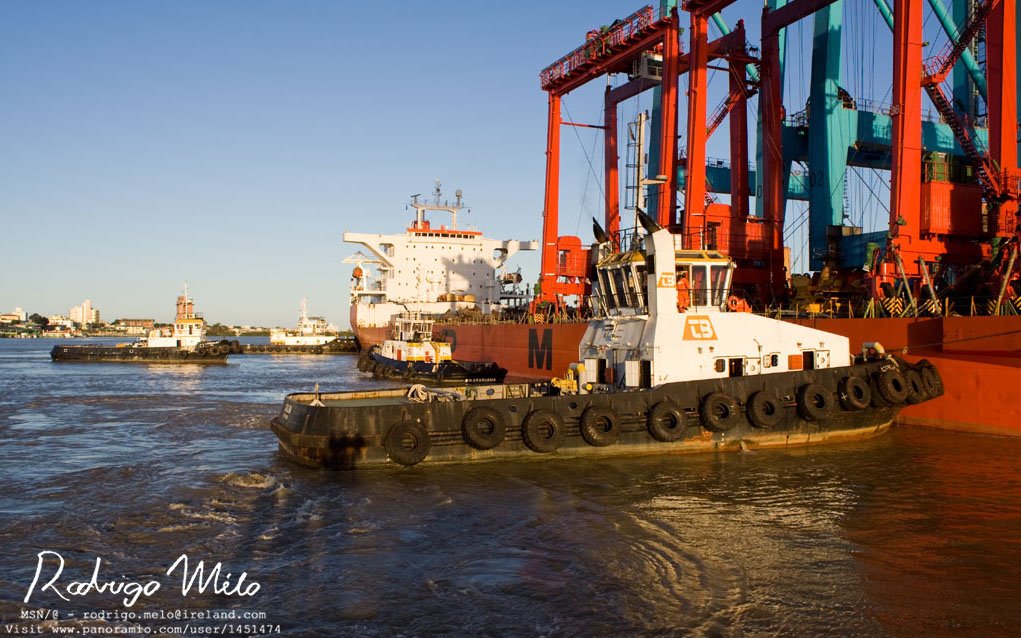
407	443
916	389
719	412
931	381
815	401
892	386
483	428
764	409
599	426
543	431
666	422
855	393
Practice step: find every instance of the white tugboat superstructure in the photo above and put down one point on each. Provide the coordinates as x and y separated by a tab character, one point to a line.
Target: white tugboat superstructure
641	338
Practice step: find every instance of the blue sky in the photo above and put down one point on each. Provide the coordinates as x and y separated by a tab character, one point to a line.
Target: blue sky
230	144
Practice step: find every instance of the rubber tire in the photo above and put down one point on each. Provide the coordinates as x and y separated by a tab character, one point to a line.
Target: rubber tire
474	434
815	401
408	373
764	410
931	380
318	350
394	443
535	438
661	416
892	387
441	376
916	390
599	426
719	412
363	363
855	394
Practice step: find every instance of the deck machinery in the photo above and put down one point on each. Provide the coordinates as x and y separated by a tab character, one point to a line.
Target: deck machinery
952	243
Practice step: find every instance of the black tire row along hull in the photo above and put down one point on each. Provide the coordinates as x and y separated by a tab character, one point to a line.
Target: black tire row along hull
766	410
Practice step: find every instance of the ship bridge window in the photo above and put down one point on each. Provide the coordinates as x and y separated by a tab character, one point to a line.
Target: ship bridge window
698	285
719	281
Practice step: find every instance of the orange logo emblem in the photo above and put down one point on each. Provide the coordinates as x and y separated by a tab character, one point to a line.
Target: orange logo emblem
667	280
699	329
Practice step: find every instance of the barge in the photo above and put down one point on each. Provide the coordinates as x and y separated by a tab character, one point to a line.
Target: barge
664	368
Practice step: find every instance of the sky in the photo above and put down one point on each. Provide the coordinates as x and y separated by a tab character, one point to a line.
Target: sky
229	144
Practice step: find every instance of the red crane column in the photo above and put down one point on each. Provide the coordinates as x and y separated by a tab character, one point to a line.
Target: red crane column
771	106
906	142
1001	69
668	133
694	180
612	216
738	145
550	213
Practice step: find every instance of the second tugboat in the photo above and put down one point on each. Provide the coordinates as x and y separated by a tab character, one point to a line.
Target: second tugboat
185	342
667	366
412	354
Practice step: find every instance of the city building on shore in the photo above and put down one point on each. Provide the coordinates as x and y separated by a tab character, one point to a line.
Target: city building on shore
84	315
18	316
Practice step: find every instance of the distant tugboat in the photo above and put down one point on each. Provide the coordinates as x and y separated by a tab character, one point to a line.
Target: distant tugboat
412	355
183	343
312	336
665	368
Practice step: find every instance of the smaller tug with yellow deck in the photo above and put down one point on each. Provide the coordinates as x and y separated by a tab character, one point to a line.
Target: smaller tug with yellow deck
666	366
412	354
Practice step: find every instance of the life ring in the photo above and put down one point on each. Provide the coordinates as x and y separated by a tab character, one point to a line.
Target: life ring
599	426
855	393
719	411
892	386
815	402
483	428
543	431
764	409
931	380
916	390
407	443
666	422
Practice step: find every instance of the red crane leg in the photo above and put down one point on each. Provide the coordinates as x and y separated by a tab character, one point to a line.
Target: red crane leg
906	168
668	110
694	182
612	215
550	213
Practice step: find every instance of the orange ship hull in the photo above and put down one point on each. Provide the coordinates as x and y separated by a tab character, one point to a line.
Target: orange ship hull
979	359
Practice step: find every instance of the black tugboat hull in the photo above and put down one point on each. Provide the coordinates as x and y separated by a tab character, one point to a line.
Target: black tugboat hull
366	429
446	373
129	354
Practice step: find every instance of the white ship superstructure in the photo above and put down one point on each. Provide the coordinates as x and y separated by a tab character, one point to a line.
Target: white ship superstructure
311	331
431	269
188	331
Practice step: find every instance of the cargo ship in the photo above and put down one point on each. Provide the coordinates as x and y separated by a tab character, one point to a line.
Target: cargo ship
940	280
183	343
660	371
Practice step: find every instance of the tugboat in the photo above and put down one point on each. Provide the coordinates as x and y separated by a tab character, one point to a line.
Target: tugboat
185	342
312	336
412	354
665	368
